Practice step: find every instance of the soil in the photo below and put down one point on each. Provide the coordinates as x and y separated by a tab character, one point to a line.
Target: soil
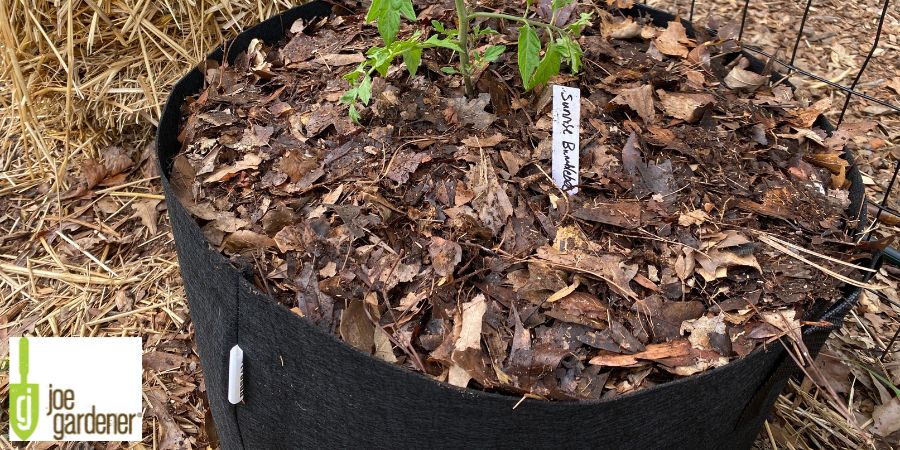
432	237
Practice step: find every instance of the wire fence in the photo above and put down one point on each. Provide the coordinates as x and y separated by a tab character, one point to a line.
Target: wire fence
880	206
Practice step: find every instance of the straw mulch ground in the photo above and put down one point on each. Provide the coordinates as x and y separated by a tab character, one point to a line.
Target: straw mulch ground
82	83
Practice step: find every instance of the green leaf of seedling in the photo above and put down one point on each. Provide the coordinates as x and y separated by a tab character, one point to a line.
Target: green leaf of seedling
571	52
558	4
389	25
529	53
382	69
350	96
380	58
578	26
387	13
449	70
364	91
547	68
406	8
413	58
354	114
435	41
479	32
493	52
486	32
353	76
438	26
377	9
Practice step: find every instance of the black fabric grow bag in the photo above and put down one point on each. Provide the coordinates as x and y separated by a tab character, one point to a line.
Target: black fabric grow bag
305	388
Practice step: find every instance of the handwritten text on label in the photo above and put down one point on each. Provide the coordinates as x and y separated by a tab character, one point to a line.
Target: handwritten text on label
566	143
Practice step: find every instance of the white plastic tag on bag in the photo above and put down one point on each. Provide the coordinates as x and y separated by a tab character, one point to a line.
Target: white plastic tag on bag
566	142
236	375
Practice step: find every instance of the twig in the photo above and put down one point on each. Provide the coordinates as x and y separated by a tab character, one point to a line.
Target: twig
765	239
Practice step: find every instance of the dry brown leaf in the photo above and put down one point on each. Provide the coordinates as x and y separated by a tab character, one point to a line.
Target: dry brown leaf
340	59
582	308
639	99
463	194
356	328
513	161
564	291
621	4
256	136
625	29
218	118
700	363
405	163
695	217
247	240
172	437
227	222
146	211
484	142
817	135
784	320
671	349
491	201
714	264
806	117
469	340
384	349
182	179
894	85
280	108
92	172
744	80
329	270
723	240
249	162
470	111
332	197
162	361
472	314
700	56
620	214
296	165
606	267
886	418
685	264
445	255
116	160
684	106
701	328
672	41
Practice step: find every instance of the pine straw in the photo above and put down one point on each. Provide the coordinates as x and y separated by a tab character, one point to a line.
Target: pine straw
124	55
81	73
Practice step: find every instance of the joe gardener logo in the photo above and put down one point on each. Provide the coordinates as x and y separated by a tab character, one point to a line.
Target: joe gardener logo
75	389
23	398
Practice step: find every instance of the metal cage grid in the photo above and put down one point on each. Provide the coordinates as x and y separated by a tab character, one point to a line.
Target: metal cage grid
883	205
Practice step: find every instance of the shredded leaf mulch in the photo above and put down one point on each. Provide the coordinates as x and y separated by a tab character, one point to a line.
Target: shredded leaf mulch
711	211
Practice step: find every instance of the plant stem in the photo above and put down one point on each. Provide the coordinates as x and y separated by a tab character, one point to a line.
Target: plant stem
463	32
534	23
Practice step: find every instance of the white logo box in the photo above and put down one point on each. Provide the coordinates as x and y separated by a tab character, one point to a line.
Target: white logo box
89	378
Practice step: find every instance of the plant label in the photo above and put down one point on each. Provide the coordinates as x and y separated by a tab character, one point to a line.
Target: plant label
566	143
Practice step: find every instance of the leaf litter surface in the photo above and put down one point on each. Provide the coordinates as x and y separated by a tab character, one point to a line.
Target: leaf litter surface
431	236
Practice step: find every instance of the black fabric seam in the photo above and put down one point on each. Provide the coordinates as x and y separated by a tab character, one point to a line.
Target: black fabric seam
237	341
